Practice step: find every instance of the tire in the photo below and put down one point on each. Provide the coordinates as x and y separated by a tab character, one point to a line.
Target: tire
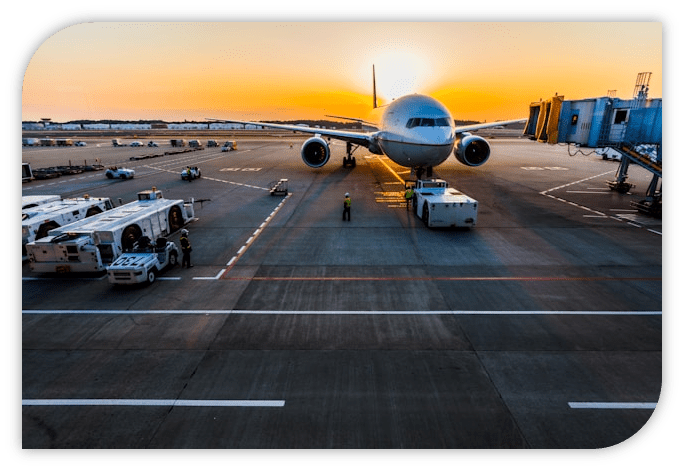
130	236
151	276
426	214
93	211
44	228
173	259
175	219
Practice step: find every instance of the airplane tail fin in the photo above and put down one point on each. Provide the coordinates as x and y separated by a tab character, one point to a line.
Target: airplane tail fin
375	98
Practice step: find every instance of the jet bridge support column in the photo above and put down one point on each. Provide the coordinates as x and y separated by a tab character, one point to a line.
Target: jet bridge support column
620	183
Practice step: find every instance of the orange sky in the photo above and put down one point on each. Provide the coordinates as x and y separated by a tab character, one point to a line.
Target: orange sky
480	71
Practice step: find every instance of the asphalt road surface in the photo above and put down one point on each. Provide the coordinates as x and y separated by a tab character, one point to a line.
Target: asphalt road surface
539	328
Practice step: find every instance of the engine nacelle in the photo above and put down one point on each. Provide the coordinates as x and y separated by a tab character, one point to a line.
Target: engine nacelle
471	150
315	152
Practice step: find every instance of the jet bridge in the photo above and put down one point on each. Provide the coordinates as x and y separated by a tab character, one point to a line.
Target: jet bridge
633	128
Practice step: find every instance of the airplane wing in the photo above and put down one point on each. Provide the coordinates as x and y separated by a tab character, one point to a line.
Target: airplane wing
360	138
357	120
475	127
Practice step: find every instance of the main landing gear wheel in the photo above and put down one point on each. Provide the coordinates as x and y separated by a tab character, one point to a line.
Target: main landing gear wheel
349	160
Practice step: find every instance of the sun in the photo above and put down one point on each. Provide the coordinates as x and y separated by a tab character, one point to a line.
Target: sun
399	73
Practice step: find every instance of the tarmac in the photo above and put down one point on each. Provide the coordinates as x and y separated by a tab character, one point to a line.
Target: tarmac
541	327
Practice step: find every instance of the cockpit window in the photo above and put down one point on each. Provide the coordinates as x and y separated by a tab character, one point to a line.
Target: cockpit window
427	122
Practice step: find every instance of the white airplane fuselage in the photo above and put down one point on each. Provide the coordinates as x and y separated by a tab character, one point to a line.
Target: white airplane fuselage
416	131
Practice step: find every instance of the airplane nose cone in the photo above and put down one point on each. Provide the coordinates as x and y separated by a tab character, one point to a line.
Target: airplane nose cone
436	136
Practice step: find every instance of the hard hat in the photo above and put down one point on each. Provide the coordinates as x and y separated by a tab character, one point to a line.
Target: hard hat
184	231
346	194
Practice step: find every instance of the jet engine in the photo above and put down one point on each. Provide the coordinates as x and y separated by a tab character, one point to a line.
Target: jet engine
471	150
315	152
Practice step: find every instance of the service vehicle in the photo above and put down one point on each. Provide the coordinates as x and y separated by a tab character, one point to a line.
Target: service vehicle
440	206
190	173
228	146
117	143
26	173
177	142
29	201
195	143
37	221
278	188
120	172
212	143
144	262
152	144
608	153
80	144
136	144
90	245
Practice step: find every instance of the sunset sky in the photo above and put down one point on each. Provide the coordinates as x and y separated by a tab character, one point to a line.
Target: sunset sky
278	71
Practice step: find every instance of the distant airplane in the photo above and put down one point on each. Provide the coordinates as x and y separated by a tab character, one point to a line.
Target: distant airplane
414	131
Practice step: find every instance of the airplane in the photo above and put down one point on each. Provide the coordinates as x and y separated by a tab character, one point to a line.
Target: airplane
415	131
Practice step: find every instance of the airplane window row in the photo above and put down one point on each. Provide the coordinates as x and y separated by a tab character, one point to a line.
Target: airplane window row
425	122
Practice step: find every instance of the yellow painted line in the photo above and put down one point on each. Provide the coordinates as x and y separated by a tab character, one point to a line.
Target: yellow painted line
403	182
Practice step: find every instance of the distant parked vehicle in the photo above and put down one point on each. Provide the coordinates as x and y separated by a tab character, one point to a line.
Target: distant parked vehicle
228	146
80	143
194	173
136	144
122	173
152	144
195	143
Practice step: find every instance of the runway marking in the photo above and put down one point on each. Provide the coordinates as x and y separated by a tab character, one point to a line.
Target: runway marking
601	192
247	244
212	179
597	213
125	312
220	273
575	183
612	405
152	402
382	161
251	240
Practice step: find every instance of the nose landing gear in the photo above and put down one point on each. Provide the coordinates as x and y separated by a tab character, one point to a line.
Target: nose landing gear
420	170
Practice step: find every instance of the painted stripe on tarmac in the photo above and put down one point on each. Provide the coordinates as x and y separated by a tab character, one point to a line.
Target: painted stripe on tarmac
113	312
150	402
612	405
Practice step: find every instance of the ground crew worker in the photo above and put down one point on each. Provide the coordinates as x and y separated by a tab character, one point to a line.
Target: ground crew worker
409	196
186	248
347	208
189	174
